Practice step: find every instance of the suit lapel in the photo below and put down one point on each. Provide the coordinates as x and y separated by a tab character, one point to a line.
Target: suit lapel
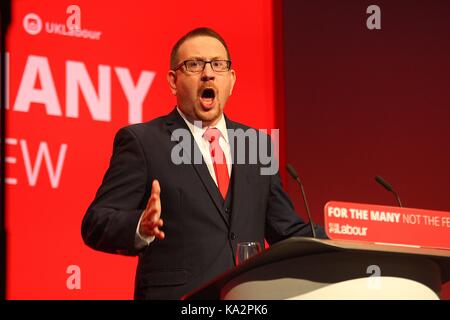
175	121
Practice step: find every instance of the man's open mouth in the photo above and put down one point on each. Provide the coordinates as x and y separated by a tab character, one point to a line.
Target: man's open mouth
207	97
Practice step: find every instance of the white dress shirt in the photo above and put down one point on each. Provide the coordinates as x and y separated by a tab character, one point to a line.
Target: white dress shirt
197	131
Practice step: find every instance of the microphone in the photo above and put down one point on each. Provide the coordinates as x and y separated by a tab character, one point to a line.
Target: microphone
389	188
294	175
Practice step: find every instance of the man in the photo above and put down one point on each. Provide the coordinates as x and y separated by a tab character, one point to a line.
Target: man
204	208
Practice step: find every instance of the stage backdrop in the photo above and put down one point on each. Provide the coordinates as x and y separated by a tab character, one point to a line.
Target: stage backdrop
364	101
70	91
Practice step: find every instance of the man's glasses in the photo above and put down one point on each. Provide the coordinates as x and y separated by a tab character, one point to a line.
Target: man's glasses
199	65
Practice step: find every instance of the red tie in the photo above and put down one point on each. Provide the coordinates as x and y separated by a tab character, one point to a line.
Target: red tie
219	161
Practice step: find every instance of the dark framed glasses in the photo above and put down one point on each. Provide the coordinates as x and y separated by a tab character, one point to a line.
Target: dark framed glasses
199	65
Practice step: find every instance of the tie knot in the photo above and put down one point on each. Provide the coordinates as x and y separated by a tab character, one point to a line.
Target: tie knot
211	135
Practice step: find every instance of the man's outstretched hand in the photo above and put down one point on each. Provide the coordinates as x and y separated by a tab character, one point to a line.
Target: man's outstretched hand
151	220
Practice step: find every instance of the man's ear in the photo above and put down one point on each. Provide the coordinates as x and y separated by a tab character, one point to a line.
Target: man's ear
171	79
233	80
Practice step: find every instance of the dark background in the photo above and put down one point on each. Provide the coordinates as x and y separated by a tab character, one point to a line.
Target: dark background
362	102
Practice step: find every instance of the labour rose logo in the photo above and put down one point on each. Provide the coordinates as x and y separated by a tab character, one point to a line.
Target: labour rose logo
32	23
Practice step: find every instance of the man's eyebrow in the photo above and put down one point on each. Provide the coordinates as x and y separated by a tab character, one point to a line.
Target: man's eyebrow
204	58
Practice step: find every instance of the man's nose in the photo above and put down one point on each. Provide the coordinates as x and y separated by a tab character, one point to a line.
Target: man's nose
208	73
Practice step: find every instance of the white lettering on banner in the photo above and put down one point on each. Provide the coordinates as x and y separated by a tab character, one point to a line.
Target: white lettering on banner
37	68
412	218
347	229
445	222
337	212
33	170
387	225
60	29
135	94
11	160
384	216
359	214
431	221
43	152
78	77
32	24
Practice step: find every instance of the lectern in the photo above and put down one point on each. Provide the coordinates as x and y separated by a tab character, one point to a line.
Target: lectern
306	268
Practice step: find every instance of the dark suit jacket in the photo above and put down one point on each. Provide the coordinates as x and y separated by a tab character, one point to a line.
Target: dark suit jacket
201	232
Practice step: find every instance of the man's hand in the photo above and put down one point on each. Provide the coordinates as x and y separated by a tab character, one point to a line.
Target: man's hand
151	221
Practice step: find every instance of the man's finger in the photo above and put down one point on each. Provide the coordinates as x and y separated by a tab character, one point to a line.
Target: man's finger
153	209
160	235
156	189
154	204
156	232
154	194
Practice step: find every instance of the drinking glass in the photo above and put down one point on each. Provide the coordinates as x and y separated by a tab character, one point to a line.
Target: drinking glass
246	250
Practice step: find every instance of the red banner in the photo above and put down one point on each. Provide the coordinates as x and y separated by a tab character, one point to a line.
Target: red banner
388	225
77	72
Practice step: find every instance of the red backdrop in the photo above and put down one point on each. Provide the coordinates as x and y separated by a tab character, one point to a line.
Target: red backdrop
46	68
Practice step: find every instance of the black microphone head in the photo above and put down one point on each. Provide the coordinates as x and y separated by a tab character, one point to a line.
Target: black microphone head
292	171
385	184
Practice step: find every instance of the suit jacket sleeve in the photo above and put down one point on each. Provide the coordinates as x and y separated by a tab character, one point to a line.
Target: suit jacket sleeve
111	220
282	221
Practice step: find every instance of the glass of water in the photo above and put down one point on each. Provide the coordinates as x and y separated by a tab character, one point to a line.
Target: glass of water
246	250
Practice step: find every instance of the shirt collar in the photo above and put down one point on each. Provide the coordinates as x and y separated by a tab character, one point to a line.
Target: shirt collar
198	131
